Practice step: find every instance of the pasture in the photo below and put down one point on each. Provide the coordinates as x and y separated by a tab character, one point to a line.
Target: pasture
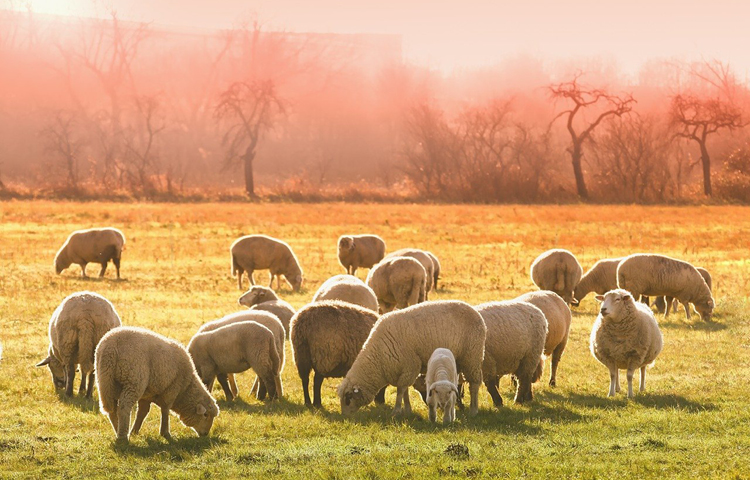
693	420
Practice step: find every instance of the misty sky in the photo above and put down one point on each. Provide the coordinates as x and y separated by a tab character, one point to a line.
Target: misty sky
469	33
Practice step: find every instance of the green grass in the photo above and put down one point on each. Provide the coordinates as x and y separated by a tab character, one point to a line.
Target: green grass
693	421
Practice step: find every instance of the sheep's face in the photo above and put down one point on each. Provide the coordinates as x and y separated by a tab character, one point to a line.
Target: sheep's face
705	309
296	282
56	368
346	244
202	418
352	398
60	264
256	295
442	395
614	302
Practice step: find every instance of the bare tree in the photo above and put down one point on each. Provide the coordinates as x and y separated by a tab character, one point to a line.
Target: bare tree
249	109
62	143
585	99
140	144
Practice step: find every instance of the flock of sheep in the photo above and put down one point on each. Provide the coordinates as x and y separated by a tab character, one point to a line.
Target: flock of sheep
376	333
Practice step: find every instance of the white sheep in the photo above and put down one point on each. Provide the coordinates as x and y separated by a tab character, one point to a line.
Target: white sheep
516	332
559	271
96	245
400	345
659	275
135	365
261	252
423	258
360	251
263	298
601	278
398	283
436	269
235	348
441	381
347	288
76	327
626	336
663	304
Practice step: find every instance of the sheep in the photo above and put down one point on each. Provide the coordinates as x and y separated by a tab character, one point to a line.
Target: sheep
76	327
659	275
234	348
266	319
400	345
442	385
135	365
398	283
662	304
559	271
326	337
558	317
95	245
263	298
347	289
260	252
601	278
625	335
422	257
435	268
516	332
357	251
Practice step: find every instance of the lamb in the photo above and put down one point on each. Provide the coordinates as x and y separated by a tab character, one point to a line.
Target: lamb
398	283
558	317
76	327
422	257
601	278
516	332
266	319
326	337
399	348
347	288
96	245
625	335
234	348
265	299
559	271
662	304
260	252
659	275
435	268
135	365
442	385
357	251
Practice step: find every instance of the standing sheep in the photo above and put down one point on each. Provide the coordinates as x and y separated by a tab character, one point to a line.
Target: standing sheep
260	252
559	271
662	304
96	245
400	345
442	385
326	337
422	257
76	327
516	332
625	335
558	317
398	283
659	275
435	269
135	365
601	278
347	288
357	251
265	299
235	348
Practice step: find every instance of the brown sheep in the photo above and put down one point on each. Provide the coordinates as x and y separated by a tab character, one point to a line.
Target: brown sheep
260	252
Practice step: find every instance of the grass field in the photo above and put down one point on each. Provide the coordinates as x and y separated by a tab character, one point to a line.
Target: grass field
694	419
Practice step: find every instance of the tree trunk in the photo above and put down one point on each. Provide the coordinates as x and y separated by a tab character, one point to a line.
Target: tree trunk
706	161
576	154
248	158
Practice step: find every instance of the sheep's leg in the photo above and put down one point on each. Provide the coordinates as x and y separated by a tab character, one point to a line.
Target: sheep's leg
630	383
614	382
617	380
380	397
278	283
83	271
556	356
354	270
305	377
400	391
90	389
407	402
433	412
262	390
164	429
82	387
113	419
103	270
523	392
474	392
687	310
233	384
497	400
124	407
239	279
70	376
449	413
116	261
222	378
144	406
317	384
643	380
250	276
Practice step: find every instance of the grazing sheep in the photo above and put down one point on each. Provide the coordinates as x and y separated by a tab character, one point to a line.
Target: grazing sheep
260	252
601	278
398	283
442	385
400	345
516	332
559	271
357	251
96	245
326	337
659	275
76	327
435	269
558	317
625	336
135	365
347	288
663	304
422	257
235	348
264	298
267	319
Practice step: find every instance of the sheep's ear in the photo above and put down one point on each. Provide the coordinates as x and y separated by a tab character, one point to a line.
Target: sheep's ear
600	298
575	302
351	245
44	362
627	297
200	409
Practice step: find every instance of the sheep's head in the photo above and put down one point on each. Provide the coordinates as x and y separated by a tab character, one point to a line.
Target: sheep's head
614	302
56	368
346	244
201	417
442	395
257	294
352	397
61	262
296	282
705	308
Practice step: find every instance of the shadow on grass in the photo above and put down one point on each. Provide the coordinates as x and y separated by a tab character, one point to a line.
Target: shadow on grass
282	406
175	450
88	405
648	400
701	326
